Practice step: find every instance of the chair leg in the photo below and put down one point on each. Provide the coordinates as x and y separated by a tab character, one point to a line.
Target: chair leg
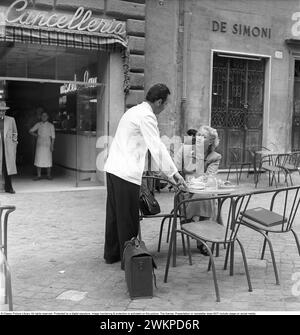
139	232
264	248
291	179
214	271
212	251
218	250
245	265
160	233
189	250
173	237
273	257
169	228
237	175
231	259
226	257
297	240
174	249
249	166
240	174
183	244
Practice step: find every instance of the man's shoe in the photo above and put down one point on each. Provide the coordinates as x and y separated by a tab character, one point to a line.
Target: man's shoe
37	178
12	191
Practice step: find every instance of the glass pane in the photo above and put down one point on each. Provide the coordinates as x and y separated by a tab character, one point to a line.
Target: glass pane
89	112
48	62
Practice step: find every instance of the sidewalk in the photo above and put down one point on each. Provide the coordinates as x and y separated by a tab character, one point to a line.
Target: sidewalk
55	245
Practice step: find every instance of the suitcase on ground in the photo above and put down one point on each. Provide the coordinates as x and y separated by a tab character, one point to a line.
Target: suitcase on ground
139	269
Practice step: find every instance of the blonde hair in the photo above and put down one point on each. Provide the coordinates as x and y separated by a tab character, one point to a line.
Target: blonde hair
211	134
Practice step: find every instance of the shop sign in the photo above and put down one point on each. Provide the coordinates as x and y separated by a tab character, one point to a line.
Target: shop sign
241	29
72	87
82	20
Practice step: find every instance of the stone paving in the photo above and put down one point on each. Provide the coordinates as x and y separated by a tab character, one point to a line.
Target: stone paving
55	245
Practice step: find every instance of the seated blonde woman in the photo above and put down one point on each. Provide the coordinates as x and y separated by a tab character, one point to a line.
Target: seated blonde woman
205	209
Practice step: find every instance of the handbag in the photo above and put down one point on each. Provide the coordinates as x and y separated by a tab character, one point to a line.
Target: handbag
139	268
148	204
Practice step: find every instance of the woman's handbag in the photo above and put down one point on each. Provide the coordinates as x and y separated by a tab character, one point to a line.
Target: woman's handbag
148	204
139	269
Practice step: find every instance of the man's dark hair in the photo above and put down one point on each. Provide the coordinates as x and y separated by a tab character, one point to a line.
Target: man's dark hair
156	92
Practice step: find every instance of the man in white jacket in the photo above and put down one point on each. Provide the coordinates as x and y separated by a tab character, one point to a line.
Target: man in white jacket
136	133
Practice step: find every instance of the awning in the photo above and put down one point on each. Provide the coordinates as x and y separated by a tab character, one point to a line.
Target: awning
62	38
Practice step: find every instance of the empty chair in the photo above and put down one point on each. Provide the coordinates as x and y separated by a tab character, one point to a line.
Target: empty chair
277	218
238	160
274	165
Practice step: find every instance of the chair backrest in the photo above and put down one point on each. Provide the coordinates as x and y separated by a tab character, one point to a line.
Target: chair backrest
294	159
5	285
228	208
236	155
153	181
4	213
254	157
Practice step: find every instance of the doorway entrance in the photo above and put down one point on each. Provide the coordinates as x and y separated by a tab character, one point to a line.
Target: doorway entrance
237	104
69	85
74	116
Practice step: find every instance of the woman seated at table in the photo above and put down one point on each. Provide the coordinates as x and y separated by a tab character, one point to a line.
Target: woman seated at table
204	210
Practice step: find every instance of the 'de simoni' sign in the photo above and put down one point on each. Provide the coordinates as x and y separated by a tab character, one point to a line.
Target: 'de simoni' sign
19	13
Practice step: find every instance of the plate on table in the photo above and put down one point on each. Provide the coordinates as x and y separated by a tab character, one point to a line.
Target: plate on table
211	190
197	185
221	191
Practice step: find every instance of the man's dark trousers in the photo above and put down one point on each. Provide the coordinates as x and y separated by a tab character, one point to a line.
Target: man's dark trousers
122	216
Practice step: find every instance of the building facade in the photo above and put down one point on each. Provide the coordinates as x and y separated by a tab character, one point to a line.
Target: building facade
233	65
82	61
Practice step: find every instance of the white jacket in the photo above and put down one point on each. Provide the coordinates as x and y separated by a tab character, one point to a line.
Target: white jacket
136	133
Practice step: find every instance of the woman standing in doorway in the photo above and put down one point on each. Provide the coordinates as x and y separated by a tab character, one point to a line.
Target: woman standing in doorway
45	133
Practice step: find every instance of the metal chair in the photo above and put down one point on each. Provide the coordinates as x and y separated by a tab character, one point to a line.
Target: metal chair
209	231
152	182
4	213
277	219
238	162
241	158
6	299
292	165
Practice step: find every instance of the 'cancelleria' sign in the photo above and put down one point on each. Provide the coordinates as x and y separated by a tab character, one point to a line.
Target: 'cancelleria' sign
82	20
241	29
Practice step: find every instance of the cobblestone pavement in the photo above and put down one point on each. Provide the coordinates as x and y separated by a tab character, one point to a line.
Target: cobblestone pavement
55	244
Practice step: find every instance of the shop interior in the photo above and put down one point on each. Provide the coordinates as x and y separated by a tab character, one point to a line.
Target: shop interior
65	84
